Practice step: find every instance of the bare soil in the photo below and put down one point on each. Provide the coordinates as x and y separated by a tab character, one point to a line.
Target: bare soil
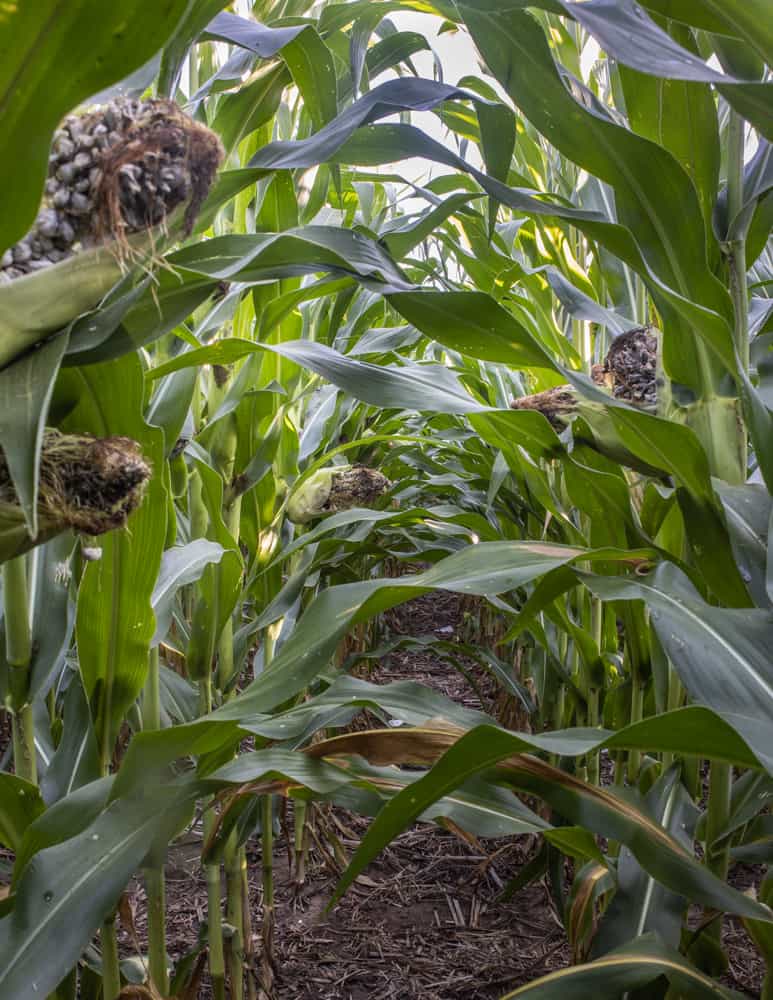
425	921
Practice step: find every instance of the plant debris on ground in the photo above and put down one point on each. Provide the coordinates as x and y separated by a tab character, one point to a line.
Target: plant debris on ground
425	920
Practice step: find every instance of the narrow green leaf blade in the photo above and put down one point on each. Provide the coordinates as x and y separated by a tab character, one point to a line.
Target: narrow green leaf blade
115	621
70	888
25	394
721	655
628	968
20	805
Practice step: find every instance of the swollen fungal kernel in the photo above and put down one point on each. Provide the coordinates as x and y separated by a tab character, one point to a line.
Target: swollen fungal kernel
116	170
629	372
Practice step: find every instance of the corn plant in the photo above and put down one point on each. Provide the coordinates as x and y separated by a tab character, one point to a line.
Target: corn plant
232	404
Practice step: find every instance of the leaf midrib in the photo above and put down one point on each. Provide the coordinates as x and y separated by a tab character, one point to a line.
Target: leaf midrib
104	862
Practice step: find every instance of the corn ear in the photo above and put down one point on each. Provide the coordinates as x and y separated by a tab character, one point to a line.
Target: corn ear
329	491
89	485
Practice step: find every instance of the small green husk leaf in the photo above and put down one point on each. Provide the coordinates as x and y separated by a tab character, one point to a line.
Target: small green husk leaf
332	490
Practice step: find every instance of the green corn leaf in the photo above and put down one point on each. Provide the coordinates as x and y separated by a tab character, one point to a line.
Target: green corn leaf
721	655
748	20
53	609
25	393
137	317
348	142
630	967
250	107
747	513
400	239
69	890
299	251
219	588
416	386
37	305
129	319
407	701
581	306
681	115
477	807
170	405
688	12
180	565
311	65
264	41
197	15
655	198
62	820
40	303
626	33
21	804
640	905
76	760
472	322
488	568
283	766
756	844
115	621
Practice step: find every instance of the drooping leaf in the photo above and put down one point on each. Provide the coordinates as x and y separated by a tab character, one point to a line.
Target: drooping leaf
477	807
487	568
630	967
348	141
655	198
412	387
298	251
460	756
41	303
626	33
248	34
581	306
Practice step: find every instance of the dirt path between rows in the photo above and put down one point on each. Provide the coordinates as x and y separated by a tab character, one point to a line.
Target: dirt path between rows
425	921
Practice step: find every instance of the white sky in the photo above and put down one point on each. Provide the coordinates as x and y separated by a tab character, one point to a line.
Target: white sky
458	58
455	49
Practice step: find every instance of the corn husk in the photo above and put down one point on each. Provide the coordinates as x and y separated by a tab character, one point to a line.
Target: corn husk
558	404
87	484
329	491
629	373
